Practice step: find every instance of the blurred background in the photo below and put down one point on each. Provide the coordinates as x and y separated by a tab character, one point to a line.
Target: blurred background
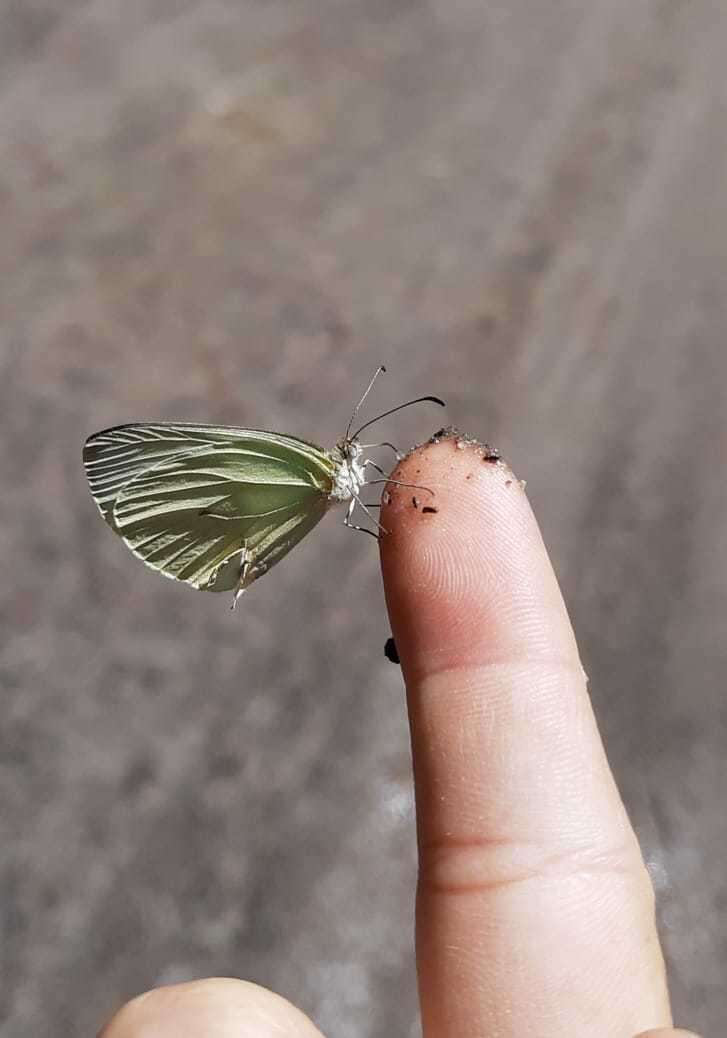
232	212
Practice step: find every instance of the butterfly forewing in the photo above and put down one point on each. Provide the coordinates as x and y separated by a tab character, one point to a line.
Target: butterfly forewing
190	499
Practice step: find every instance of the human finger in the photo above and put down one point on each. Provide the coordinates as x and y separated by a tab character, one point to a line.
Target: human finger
218	1007
534	910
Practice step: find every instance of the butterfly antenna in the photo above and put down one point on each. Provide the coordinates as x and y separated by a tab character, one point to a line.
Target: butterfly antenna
357	408
409	403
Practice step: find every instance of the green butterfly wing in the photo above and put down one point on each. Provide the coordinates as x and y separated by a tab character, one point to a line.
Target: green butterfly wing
195	501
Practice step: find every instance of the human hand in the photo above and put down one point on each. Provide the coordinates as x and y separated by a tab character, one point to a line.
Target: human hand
535	913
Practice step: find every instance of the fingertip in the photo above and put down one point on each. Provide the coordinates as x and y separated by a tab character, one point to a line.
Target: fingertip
463	557
216	1007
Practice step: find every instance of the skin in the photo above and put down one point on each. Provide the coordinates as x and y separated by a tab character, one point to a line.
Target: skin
535	914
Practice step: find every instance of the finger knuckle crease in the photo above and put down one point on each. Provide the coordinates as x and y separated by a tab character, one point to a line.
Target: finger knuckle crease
478	866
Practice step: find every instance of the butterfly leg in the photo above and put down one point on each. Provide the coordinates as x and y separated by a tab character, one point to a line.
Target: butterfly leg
347	519
244	567
385	443
363	529
374	466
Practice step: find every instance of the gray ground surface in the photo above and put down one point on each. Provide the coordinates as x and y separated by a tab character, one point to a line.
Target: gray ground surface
232	211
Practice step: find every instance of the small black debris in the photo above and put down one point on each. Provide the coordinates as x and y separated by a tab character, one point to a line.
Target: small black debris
430	510
390	651
448	432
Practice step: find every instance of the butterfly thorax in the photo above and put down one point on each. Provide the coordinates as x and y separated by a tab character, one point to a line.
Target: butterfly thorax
349	477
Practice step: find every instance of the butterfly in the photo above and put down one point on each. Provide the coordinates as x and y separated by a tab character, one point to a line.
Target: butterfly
215	506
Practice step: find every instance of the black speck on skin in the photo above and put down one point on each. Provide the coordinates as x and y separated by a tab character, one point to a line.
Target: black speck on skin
429	510
415	502
490	453
448	432
390	651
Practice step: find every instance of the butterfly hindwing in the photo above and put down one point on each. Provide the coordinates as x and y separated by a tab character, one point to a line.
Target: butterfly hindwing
194	501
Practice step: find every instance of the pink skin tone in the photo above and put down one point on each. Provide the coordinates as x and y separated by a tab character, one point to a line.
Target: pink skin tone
535	914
